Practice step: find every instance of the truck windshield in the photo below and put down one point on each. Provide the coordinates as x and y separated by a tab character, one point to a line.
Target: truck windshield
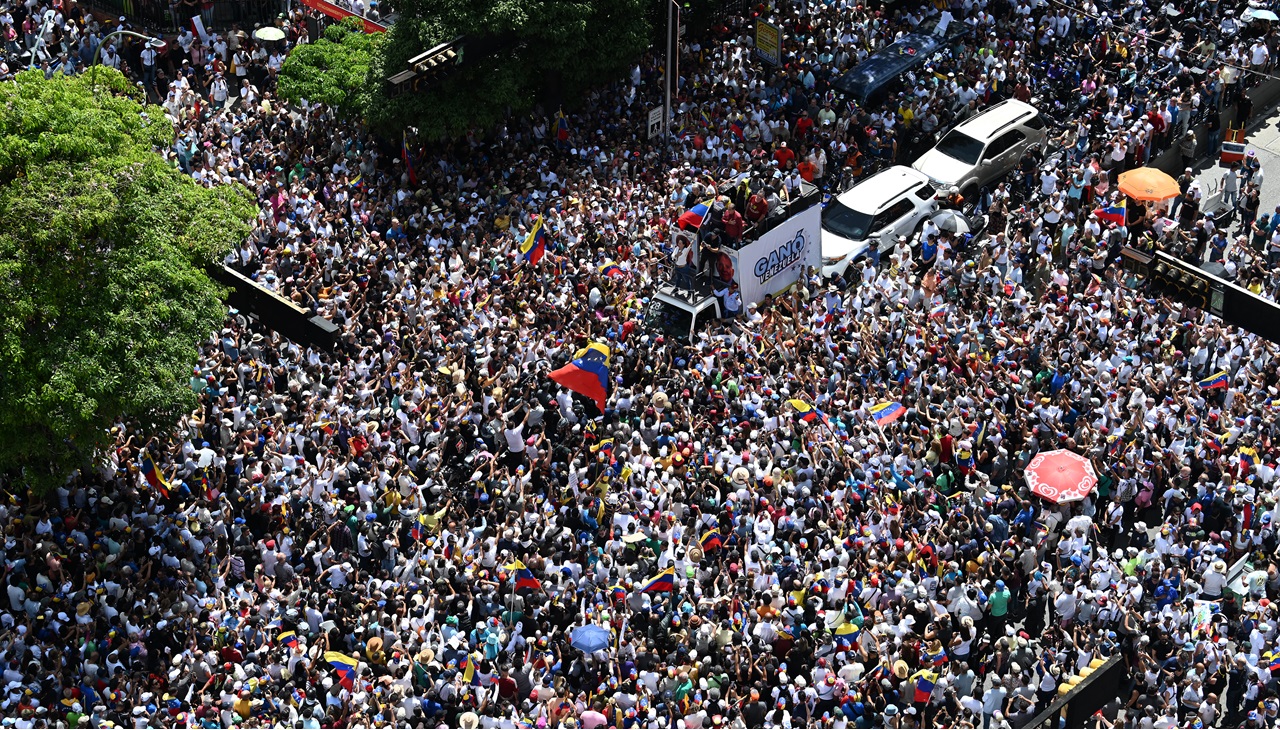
669	319
960	146
846	222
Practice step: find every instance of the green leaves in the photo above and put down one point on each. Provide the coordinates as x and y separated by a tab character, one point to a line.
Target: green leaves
333	70
576	43
103	295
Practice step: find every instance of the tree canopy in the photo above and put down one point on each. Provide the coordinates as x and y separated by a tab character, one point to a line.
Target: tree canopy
103	247
566	44
334	70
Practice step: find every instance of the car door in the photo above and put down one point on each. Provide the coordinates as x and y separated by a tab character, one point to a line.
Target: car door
1001	155
899	221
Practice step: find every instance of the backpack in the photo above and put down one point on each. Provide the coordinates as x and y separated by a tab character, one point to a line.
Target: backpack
1143	500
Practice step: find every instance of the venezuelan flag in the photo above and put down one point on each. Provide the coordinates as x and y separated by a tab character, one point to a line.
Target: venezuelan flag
612	270
804	411
711	540
595	349
298	697
288	638
473	677
345	666
562	127
1113	213
980	436
663	582
693	217
419	529
153	475
535	244
1217	380
847	629
357	181
618	593
938	312
925	682
588	374
606	446
525	577
1248	457
1273	659
885	413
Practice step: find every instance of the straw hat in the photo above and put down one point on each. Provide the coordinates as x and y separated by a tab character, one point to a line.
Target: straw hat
900	669
469	721
660	400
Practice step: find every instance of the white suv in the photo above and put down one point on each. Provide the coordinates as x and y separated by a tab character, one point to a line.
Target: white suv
983	148
890	203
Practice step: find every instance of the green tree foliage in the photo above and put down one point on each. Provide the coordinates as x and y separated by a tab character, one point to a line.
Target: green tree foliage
334	70
578	42
103	295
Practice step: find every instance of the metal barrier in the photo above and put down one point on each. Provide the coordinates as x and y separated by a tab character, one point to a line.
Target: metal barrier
274	311
1074	708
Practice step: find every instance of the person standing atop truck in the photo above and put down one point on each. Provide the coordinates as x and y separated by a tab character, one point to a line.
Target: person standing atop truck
757	207
733	223
683	277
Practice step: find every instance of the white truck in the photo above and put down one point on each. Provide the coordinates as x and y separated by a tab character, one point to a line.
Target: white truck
768	260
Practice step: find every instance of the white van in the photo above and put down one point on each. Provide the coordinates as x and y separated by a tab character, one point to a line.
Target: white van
890	203
983	148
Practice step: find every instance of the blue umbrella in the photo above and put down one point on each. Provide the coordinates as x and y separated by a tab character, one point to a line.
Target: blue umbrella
589	638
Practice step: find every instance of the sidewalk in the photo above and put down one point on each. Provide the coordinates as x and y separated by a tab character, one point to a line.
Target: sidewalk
1264	139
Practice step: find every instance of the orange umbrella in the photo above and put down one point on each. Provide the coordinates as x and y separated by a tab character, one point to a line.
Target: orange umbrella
1148	183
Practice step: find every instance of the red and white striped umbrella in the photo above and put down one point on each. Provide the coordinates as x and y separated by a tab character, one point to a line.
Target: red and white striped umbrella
1061	476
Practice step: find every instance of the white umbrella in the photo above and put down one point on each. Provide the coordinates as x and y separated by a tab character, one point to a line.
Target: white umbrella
951	220
269	33
1262	14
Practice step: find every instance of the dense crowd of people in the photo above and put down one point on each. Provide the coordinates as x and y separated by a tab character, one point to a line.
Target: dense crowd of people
419	528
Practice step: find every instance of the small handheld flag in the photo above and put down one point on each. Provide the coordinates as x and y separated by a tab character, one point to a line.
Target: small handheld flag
288	638
804	411
663	582
153	475
1113	213
535	244
886	413
925	681
525	577
1248	457
710	541
612	271
473	677
419	529
1217	380
345	666
562	127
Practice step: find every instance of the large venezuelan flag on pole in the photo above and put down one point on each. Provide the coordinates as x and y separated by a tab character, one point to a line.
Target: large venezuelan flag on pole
588	374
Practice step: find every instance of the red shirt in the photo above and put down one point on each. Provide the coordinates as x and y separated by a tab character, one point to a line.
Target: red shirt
784	155
807	170
803	125
733	223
